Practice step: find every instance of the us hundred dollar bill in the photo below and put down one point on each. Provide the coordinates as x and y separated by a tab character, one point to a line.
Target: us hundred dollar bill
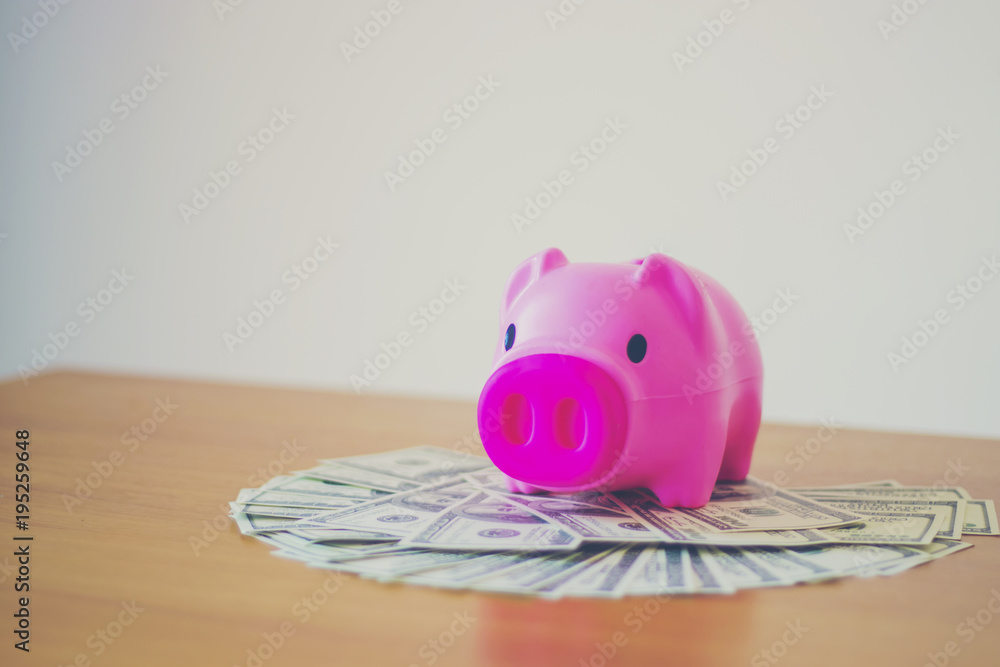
417	464
953	510
873	492
486	522
399	513
980	518
752	505
592	523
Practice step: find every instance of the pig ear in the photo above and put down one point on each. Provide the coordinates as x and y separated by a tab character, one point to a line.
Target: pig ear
673	278
531	270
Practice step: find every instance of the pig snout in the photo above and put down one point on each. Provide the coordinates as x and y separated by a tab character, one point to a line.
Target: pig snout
554	421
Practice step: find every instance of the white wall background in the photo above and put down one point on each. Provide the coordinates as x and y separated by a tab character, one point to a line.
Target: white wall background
655	187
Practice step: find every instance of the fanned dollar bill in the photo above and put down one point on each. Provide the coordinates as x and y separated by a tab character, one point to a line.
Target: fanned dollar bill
980	518
417	464
395	564
399	513
350	475
863	560
592	523
434	517
338	534
476	565
274	511
952	509
321	487
604	577
488	522
923	492
708	578
281	499
788	565
752	505
661	570
253	524
740	570
679	528
890	528
535	573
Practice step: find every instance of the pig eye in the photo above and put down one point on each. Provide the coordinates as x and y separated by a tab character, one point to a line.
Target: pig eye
508	338
636	348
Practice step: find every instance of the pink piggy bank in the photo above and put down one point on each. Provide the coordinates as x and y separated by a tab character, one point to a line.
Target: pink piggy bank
613	376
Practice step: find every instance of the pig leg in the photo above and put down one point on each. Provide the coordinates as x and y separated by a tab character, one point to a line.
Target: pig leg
693	488
515	486
744	422
690	483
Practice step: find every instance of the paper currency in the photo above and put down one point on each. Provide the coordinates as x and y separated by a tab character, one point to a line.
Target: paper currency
661	570
321	487
953	510
433	517
980	518
742	571
416	464
399	513
602	576
752	506
592	523
280	499
487	522
538	573
896	528
923	492
708	577
473	565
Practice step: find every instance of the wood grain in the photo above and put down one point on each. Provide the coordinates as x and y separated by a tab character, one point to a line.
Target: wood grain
154	532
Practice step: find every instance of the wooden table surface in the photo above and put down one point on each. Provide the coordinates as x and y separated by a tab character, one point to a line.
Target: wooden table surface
142	568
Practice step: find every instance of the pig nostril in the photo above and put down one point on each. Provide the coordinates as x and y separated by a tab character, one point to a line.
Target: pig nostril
516	419
570	424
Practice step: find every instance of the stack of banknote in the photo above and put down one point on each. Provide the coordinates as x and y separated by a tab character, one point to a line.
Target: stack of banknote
437	517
